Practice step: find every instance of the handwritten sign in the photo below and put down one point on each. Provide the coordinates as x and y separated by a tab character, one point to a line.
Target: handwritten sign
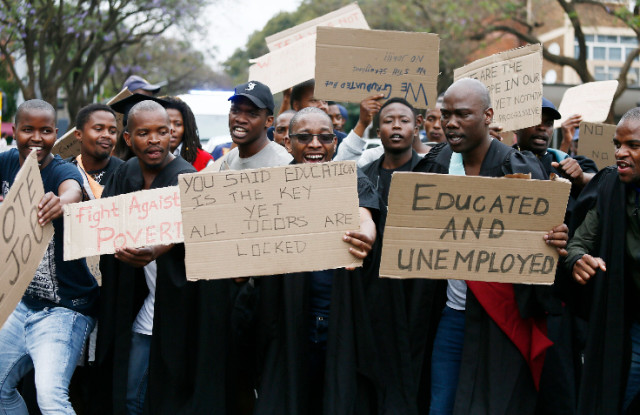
352	64
472	228
591	100
596	143
69	146
348	16
268	221
24	242
285	67
144	218
514	81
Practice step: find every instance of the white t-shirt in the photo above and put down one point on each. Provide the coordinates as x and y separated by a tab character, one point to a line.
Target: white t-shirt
272	155
144	319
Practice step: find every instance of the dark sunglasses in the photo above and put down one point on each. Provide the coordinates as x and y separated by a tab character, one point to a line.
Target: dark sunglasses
306	138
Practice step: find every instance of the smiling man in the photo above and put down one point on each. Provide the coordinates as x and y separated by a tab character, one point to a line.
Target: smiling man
48	328
250	116
293	311
97	131
604	260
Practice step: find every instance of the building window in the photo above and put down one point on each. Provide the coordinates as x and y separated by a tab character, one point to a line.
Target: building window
608	53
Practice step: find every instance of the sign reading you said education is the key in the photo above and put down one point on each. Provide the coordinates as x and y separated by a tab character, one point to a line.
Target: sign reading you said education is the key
269	221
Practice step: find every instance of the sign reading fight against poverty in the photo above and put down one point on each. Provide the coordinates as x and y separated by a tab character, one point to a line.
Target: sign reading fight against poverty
352	64
269	221
347	16
591	100
596	143
143	218
24	242
514	81
292	57
472	228
69	146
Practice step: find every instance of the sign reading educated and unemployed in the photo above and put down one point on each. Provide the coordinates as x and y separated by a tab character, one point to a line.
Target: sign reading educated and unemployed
472	228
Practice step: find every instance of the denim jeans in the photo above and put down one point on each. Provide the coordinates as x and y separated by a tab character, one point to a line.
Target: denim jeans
51	341
445	361
138	375
633	381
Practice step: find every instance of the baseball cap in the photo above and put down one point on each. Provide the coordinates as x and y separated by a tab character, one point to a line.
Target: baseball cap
124	105
135	82
256	92
548	105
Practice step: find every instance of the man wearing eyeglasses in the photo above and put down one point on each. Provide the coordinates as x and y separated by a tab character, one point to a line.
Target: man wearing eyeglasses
292	311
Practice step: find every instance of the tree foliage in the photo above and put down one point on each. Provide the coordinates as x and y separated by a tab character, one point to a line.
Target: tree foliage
72	44
512	18
169	60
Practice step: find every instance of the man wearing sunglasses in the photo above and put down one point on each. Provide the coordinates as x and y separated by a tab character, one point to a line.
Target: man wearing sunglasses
292	311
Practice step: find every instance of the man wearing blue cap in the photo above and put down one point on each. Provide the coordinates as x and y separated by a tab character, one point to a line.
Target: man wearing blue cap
250	116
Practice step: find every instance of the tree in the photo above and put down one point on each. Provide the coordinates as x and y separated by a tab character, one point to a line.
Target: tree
168	60
514	18
72	44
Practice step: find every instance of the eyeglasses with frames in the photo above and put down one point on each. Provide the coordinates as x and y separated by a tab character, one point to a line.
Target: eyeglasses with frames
306	138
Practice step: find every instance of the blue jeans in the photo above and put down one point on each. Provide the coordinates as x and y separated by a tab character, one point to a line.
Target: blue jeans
633	381
49	340
138	375
445	361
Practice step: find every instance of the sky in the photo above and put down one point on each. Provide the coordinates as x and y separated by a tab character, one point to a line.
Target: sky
230	22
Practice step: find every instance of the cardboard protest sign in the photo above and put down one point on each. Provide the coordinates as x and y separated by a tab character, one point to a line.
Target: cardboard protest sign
24	242
596	143
352	64
268	221
347	16
69	146
591	100
143	218
286	67
472	228
514	81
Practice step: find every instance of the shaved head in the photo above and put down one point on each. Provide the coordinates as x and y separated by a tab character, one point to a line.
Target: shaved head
144	106
471	86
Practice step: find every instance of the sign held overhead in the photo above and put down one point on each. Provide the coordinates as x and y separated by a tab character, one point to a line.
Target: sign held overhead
269	221
24	242
352	64
591	100
472	228
596	143
514	81
347	16
292	54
